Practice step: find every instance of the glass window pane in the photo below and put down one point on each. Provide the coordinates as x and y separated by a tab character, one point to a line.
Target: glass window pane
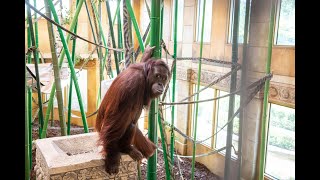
207	20
241	20
281	143
205	115
222	119
179	19
286	23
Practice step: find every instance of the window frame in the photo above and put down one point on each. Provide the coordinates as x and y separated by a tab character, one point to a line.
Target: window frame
267	175
230	22
223	153
276	27
172	18
215	113
196	41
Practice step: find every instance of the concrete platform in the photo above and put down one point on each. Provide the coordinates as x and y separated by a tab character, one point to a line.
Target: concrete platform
77	157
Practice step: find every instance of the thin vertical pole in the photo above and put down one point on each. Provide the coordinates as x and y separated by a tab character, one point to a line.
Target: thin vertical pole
89	17
235	32
29	98
61	58
73	73
162	135
111	31
119	33
36	31
263	135
135	24
70	84
165	156
36	69
175	24
243	83
56	72
198	88
26	126
152	130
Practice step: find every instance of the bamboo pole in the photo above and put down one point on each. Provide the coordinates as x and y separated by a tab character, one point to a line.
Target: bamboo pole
235	32
70	84
56	73
198	88
263	136
152	130
116	13
26	126
29	98
111	32
61	58
36	69
163	137
91	26
36	31
243	83
165	157
120	45
175	24
73	74
135	24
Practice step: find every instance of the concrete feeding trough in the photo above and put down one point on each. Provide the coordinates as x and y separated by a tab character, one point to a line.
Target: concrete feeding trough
77	157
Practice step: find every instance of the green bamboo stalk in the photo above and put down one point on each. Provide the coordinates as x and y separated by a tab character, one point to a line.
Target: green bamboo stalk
56	73
36	69
73	74
165	157
100	35
91	26
243	83
161	25
36	30
135	24
103	38
175	23
29	98
104	59
61	58
70	88
235	32
111	32
264	123
116	13
163	137
198	88
119	34
30	123
147	40
52	113
152	130
26	126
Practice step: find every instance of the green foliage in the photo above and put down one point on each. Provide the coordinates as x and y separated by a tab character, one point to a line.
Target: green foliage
67	19
282	117
284	142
